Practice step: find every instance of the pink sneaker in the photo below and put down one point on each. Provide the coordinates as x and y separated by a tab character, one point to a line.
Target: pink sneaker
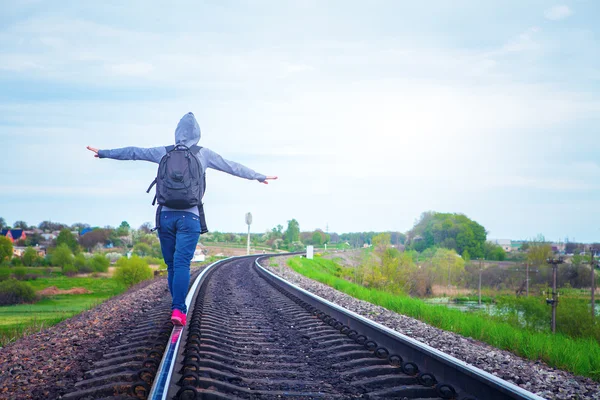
178	318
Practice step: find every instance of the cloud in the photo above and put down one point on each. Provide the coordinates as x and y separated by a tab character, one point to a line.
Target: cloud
132	69
558	12
524	42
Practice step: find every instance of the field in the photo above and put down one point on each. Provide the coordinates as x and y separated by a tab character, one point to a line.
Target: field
577	355
230	250
17	320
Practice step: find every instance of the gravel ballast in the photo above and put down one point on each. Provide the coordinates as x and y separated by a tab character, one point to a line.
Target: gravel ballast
534	376
47	364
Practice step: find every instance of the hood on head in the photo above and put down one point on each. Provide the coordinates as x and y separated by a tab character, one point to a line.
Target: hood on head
187	131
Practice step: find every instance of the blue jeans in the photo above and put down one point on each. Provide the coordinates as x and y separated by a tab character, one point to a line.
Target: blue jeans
179	232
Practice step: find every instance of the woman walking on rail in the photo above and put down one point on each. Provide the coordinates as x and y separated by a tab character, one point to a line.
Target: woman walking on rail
180	185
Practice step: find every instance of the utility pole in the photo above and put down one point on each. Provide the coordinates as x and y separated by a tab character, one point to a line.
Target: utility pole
554	301
593	267
248	222
527	280
480	270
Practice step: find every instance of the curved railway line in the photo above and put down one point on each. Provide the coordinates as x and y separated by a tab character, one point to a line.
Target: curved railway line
252	335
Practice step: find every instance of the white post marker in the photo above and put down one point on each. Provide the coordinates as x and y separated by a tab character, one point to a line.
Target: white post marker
310	252
248	222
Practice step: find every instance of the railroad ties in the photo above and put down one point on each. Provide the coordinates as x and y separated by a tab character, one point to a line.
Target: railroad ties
246	339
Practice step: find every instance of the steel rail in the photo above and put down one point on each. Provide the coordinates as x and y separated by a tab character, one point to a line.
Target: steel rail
162	380
467	381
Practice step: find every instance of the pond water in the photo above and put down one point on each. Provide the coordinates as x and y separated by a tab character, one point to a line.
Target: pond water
463	305
470	306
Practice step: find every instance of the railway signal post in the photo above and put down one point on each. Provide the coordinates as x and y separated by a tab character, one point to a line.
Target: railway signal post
248	222
554	301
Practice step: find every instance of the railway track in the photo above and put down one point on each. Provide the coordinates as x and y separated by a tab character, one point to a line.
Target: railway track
252	335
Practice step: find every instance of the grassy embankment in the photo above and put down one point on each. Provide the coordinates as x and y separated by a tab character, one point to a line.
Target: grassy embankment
22	319
577	355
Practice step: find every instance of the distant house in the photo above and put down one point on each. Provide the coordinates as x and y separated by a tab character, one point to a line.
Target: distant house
516	245
85	230
199	255
506	244
48	236
19	251
14	234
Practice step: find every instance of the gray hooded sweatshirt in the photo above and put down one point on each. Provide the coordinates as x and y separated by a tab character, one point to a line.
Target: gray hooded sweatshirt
188	134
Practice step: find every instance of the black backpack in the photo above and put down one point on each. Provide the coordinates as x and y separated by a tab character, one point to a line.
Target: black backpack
178	182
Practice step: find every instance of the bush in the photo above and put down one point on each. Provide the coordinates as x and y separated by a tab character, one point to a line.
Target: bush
30	257
62	256
99	263
16	262
69	270
142	249
4	274
19	273
156	261
81	264
6	248
15	292
132	271
112	257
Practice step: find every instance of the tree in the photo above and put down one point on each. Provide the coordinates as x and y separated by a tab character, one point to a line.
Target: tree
6	248
381	242
142	249
466	256
317	239
451	231
2	223
51	226
292	233
20	225
62	256
493	252
32	239
93	238
66	237
113	237
539	251
146	227
99	263
123	229
572	248
448	265
30	257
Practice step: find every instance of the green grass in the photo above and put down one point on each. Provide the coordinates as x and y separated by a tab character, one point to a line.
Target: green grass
579	356
19	320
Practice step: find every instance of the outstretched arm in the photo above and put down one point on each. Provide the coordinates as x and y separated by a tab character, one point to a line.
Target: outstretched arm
153	154
217	162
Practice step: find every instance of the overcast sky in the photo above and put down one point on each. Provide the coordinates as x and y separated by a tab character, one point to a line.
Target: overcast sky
369	112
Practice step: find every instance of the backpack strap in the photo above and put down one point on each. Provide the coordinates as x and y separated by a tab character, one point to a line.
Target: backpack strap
203	228
157	219
151	185
195	149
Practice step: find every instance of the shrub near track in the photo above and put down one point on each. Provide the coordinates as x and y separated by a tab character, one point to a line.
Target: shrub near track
579	356
15	292
132	271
